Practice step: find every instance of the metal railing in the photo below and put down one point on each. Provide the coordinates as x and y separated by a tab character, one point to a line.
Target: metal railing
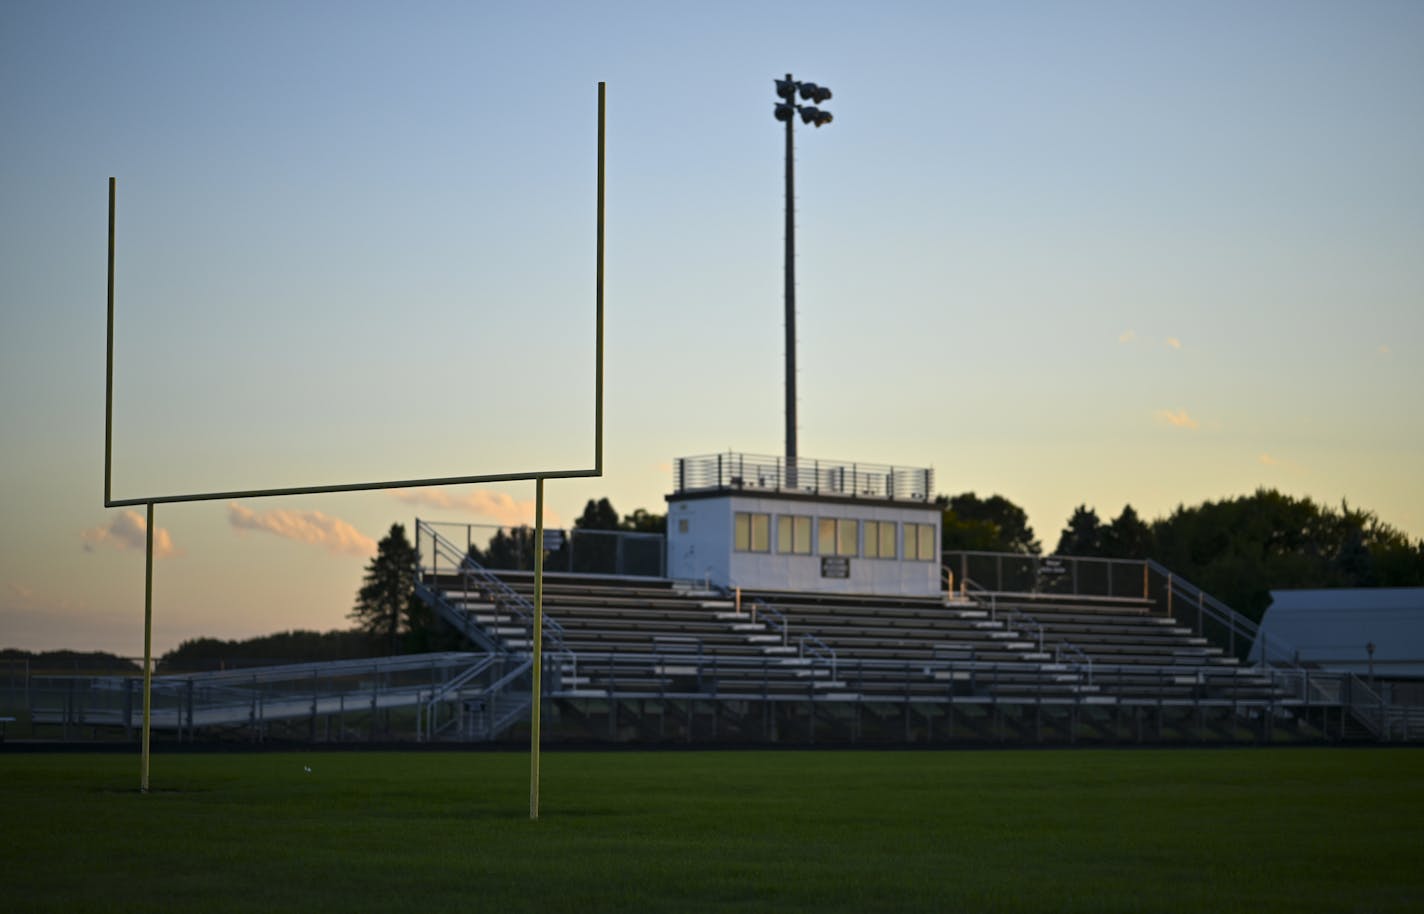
761	473
624	553
480	582
1077	660
949	676
817	651
1069	575
1212	619
251	697
808	646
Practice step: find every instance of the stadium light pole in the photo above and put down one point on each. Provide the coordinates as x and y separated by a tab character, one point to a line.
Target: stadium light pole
785	111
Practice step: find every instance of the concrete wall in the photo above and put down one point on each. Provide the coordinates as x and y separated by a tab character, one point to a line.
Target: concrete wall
700	545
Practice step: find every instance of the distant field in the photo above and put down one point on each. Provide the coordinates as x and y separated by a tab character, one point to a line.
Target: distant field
1144	830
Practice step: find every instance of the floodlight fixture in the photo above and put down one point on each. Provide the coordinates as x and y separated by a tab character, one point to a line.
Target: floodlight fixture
810	114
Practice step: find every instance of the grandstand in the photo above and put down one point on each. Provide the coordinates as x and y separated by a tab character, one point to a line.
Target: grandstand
998	649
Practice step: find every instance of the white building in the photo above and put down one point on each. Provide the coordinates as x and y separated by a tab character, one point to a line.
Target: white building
741	520
1376	631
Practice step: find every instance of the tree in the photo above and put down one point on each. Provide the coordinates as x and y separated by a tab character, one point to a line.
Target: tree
642	521
1083	535
992	524
1241	549
597	515
386	602
1127	537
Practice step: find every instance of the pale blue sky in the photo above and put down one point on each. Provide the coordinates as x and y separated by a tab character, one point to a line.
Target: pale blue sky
1091	252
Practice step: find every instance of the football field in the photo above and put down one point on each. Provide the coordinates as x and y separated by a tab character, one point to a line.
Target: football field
1290	830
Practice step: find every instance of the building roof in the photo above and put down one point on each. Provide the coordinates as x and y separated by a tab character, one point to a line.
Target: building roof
1334	627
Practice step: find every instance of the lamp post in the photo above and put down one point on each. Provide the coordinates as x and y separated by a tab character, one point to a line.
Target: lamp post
785	111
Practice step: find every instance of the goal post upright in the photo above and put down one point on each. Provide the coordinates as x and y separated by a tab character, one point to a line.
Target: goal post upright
538	476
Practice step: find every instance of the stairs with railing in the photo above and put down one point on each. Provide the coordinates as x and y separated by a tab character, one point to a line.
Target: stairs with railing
495	616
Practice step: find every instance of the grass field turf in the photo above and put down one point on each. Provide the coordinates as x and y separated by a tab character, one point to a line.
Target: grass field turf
1145	830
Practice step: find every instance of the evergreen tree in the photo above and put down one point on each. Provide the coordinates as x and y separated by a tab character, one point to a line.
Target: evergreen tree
386	601
1083	535
597	515
1127	537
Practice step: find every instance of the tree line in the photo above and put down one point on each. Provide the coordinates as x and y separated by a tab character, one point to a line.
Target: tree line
1237	549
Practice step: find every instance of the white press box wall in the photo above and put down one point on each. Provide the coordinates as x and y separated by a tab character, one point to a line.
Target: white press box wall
700	532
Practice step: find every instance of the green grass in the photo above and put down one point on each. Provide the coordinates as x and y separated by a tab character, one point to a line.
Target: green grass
1151	830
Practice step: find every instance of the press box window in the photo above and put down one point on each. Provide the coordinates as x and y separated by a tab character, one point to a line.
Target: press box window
879	539
919	542
793	534
838	536
751	532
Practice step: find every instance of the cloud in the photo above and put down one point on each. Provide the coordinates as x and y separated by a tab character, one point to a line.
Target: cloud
1174	342
1177	418
311	527
1127	336
501	507
128	530
1383	349
1281	464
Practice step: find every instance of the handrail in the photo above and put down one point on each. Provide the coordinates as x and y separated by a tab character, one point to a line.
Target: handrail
1025	621
1264	649
760	607
452	685
1368	706
1080	659
818	649
473	573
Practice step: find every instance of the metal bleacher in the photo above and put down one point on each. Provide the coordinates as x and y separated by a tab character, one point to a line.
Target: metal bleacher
1017	649
622	643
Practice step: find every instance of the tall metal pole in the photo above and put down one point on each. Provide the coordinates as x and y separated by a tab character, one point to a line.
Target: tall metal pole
790	304
536	695
109	362
147	651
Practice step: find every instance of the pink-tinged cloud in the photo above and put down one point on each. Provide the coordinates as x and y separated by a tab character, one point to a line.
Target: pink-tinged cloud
1269	461
128	530
1127	336
1174	342
311	527
1177	418
1383	349
501	507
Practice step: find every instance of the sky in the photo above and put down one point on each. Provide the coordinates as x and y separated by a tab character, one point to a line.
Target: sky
1097	253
